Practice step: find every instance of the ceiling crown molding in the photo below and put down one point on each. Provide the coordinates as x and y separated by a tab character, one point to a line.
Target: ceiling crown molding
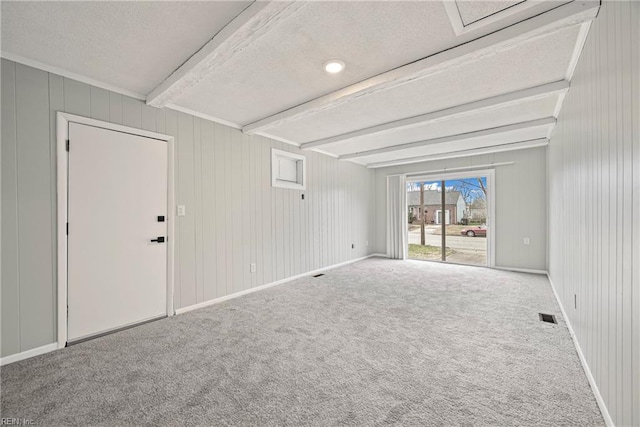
70	75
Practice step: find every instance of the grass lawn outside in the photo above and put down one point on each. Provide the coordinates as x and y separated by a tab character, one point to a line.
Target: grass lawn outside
426	251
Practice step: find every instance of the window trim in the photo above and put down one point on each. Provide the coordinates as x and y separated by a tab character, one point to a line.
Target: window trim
301	162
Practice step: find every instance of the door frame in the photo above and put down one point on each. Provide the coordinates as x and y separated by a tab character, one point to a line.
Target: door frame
491	201
62	159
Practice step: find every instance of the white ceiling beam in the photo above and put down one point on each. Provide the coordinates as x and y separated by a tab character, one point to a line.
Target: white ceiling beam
563	16
252	23
483	105
547	121
541	142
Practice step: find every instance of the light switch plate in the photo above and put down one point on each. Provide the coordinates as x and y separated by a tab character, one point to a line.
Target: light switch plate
182	210
526	241
252	268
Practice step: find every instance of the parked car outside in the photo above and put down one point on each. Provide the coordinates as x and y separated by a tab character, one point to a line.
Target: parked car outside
480	230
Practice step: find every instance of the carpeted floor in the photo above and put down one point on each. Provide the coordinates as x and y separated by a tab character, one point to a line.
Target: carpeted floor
373	343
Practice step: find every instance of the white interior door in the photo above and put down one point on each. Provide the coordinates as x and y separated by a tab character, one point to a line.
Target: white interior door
117	276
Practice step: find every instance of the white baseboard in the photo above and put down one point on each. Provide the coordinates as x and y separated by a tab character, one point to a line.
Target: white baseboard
378	256
54	346
522	270
28	353
592	382
266	286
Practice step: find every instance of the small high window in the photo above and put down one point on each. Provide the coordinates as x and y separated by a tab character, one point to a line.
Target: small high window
288	170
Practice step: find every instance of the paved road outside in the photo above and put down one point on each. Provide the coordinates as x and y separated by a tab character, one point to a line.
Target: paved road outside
454	242
469	250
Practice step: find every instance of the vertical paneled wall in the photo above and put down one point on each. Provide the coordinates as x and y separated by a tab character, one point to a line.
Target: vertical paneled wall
594	186
234	217
521	203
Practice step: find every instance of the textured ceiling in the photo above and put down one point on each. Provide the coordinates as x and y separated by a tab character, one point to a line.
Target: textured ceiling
473	121
527	134
474	10
274	60
132	45
536	62
284	68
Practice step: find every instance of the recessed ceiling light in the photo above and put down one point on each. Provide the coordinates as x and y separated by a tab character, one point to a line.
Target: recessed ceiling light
333	66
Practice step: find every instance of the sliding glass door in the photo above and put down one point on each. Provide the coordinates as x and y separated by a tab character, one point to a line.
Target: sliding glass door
448	219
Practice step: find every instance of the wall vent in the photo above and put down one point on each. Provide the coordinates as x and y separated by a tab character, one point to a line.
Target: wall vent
318	275
549	318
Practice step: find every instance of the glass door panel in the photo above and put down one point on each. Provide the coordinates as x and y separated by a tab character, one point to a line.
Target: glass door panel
466	234
424	203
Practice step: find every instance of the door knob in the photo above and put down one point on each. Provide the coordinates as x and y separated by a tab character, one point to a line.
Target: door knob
159	239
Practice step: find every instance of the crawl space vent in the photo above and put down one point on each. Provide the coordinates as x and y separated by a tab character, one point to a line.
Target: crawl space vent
549	318
319	275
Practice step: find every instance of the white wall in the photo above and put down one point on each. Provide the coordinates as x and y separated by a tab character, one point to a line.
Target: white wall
234	217
594	187
521	203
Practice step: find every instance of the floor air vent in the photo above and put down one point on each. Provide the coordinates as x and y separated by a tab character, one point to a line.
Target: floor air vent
318	275
549	318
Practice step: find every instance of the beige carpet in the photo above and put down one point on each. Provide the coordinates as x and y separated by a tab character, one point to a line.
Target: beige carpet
373	343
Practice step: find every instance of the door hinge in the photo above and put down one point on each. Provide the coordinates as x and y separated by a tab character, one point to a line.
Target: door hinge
67	145
67	229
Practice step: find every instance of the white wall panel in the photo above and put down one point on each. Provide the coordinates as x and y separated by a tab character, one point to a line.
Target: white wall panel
115	108
234	217
100	104
77	97
10	289
185	195
35	261
594	224
132	112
